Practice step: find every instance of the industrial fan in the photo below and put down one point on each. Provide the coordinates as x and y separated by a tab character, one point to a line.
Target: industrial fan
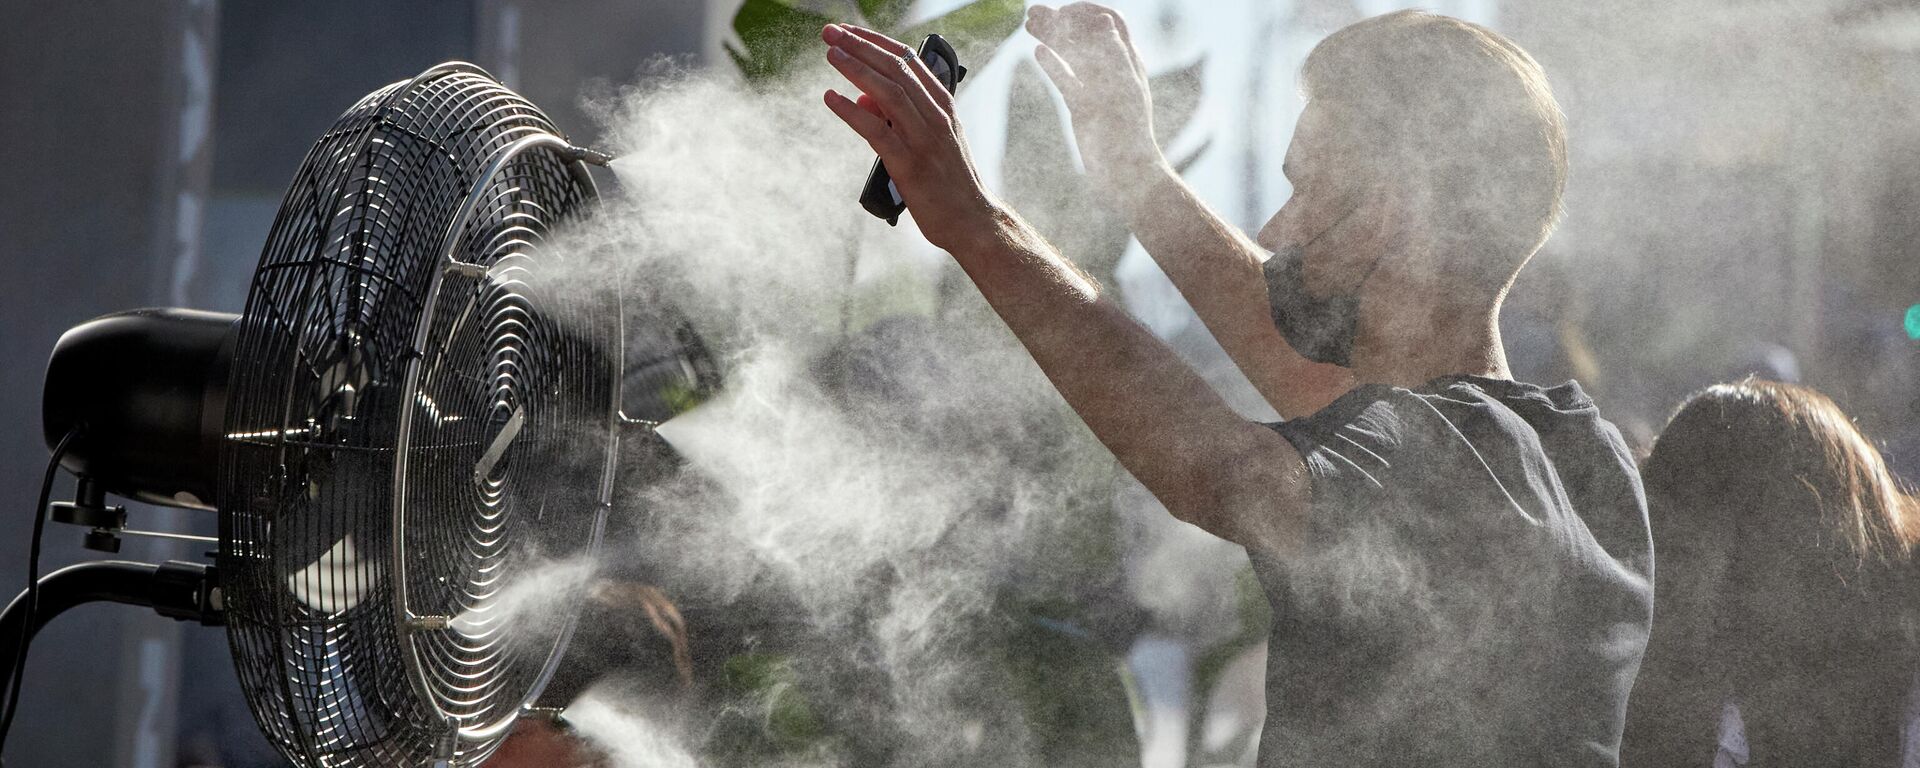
419	406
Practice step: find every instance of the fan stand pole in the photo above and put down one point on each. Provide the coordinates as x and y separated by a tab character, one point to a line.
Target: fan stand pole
175	589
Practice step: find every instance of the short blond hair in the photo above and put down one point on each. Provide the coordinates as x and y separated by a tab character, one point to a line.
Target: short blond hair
1455	106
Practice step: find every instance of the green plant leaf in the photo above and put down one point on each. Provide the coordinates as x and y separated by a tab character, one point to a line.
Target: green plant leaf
772	33
774	687
739	57
974	29
1042	182
1070	693
884	14
1181	165
1176	97
1037	151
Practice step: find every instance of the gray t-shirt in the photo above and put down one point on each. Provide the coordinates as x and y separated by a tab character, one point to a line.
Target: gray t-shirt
1475	585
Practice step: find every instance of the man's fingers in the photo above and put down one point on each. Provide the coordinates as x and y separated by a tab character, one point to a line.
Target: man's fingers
1040	24
1087	22
1113	17
867	103
1057	70
921	72
869	125
890	66
885	43
893	99
1091	34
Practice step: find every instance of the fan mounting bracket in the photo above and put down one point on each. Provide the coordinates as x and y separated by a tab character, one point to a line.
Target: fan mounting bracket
89	509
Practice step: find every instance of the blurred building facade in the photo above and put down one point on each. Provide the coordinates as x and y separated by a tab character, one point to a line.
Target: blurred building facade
1742	195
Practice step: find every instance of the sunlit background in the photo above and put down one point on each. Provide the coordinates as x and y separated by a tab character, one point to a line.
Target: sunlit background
1744	199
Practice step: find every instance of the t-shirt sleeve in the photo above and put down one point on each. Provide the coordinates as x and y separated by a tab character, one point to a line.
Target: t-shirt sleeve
1354	439
1394	470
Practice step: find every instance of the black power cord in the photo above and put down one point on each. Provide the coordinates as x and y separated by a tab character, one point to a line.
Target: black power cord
33	585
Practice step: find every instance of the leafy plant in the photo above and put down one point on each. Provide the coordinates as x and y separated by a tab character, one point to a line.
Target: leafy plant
1042	183
774	33
1210	667
1090	719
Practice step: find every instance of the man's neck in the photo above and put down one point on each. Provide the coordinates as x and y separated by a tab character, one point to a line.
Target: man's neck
1426	333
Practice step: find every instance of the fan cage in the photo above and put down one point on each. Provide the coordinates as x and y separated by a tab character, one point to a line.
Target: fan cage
423	411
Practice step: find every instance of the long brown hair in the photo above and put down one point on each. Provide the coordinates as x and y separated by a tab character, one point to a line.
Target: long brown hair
1783	545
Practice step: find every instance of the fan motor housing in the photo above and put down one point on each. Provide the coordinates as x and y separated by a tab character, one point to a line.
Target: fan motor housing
147	389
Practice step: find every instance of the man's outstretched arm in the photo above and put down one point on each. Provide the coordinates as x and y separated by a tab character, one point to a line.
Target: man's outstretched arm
1236	479
1218	271
1087	53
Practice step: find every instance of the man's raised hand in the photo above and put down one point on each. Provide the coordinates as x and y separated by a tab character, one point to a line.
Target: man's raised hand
908	119
1086	50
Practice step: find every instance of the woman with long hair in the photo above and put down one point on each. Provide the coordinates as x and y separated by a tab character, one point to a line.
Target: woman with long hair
1783	601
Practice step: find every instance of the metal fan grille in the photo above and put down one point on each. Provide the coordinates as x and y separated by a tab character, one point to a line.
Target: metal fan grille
418	417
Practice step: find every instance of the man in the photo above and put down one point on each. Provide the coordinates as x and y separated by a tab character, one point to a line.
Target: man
1458	562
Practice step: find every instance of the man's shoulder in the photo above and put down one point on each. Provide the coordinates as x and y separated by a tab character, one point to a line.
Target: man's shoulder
1458	408
1464	440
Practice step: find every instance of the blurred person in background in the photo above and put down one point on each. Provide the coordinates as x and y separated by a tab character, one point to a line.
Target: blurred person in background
1784	610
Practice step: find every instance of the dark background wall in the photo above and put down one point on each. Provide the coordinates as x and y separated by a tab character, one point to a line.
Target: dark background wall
101	165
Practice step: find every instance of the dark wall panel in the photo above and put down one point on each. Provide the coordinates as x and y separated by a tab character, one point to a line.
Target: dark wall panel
92	95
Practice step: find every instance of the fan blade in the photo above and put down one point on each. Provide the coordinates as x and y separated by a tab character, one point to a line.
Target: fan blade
497	449
336	581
